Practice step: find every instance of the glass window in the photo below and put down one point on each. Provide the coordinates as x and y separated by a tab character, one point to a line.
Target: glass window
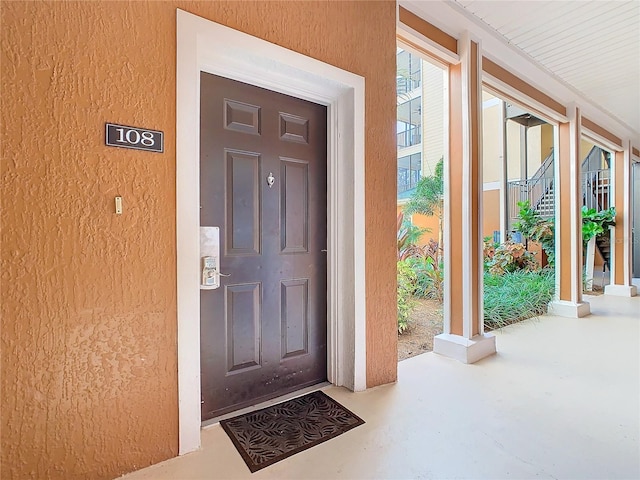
409	171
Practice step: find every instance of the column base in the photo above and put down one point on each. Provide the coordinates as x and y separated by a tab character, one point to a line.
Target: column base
464	349
563	308
621	290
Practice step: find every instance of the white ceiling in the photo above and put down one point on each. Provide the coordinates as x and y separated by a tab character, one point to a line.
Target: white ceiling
593	47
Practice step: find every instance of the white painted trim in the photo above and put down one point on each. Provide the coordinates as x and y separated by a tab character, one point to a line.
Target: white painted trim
489	186
503	90
589	264
440	54
562	308
480	186
621	290
464	50
627	218
612	230
203	45
504	175
557	210
446	217
576	202
411	150
599	140
627	214
492	102
465	350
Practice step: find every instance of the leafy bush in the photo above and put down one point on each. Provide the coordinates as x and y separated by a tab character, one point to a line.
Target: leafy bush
510	257
429	278
538	229
406	287
515	296
429	194
488	250
596	223
407	235
541	230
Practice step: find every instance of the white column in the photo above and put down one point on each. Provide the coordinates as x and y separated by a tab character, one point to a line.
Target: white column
621	234
464	338
568	220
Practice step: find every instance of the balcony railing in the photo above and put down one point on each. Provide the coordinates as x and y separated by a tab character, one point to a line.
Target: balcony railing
407	84
407	179
409	137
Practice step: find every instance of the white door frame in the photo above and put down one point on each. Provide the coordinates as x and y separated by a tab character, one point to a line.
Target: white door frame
203	45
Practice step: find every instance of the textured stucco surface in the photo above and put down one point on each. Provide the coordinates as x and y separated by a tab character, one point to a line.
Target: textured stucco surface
89	370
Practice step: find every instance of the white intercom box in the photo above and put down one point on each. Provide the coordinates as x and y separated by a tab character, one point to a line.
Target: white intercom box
210	258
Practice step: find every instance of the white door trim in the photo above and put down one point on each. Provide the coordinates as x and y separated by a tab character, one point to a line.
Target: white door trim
203	45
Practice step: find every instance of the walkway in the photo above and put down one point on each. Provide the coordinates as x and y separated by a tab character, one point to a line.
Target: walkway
561	399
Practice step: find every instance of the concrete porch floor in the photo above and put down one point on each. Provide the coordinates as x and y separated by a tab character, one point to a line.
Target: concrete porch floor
561	399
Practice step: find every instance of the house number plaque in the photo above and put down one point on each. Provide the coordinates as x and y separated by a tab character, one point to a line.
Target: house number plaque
133	137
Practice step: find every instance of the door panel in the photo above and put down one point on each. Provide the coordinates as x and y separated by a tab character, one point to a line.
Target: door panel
295	327
243	203
263	182
294	218
242	311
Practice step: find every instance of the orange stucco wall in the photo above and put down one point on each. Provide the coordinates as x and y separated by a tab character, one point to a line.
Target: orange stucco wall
427	222
490	218
89	380
490	212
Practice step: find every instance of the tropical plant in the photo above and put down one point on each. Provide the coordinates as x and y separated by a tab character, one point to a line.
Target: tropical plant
536	228
596	223
541	230
429	277
406	285
407	236
510	257
428	197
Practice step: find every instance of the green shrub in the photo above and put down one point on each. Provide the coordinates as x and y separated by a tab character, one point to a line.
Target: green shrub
538	229
516	296
596	223
510	257
541	230
429	277
406	287
407	236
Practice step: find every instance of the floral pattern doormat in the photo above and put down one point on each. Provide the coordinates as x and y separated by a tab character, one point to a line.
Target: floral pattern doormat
267	436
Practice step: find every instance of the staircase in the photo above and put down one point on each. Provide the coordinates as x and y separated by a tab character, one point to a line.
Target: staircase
546	205
539	191
603	245
595	188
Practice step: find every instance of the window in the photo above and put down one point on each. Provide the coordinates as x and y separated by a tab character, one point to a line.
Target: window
409	172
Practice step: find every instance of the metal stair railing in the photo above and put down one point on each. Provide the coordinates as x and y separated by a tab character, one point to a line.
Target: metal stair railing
539	189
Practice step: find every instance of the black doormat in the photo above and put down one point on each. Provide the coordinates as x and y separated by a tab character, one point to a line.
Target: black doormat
267	436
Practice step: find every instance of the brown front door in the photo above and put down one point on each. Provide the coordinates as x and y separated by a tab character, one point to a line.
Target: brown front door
263	181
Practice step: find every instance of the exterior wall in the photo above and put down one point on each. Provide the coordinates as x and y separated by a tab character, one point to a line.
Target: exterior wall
490	212
428	222
546	140
491	141
490	221
433	94
89	384
534	150
513	152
